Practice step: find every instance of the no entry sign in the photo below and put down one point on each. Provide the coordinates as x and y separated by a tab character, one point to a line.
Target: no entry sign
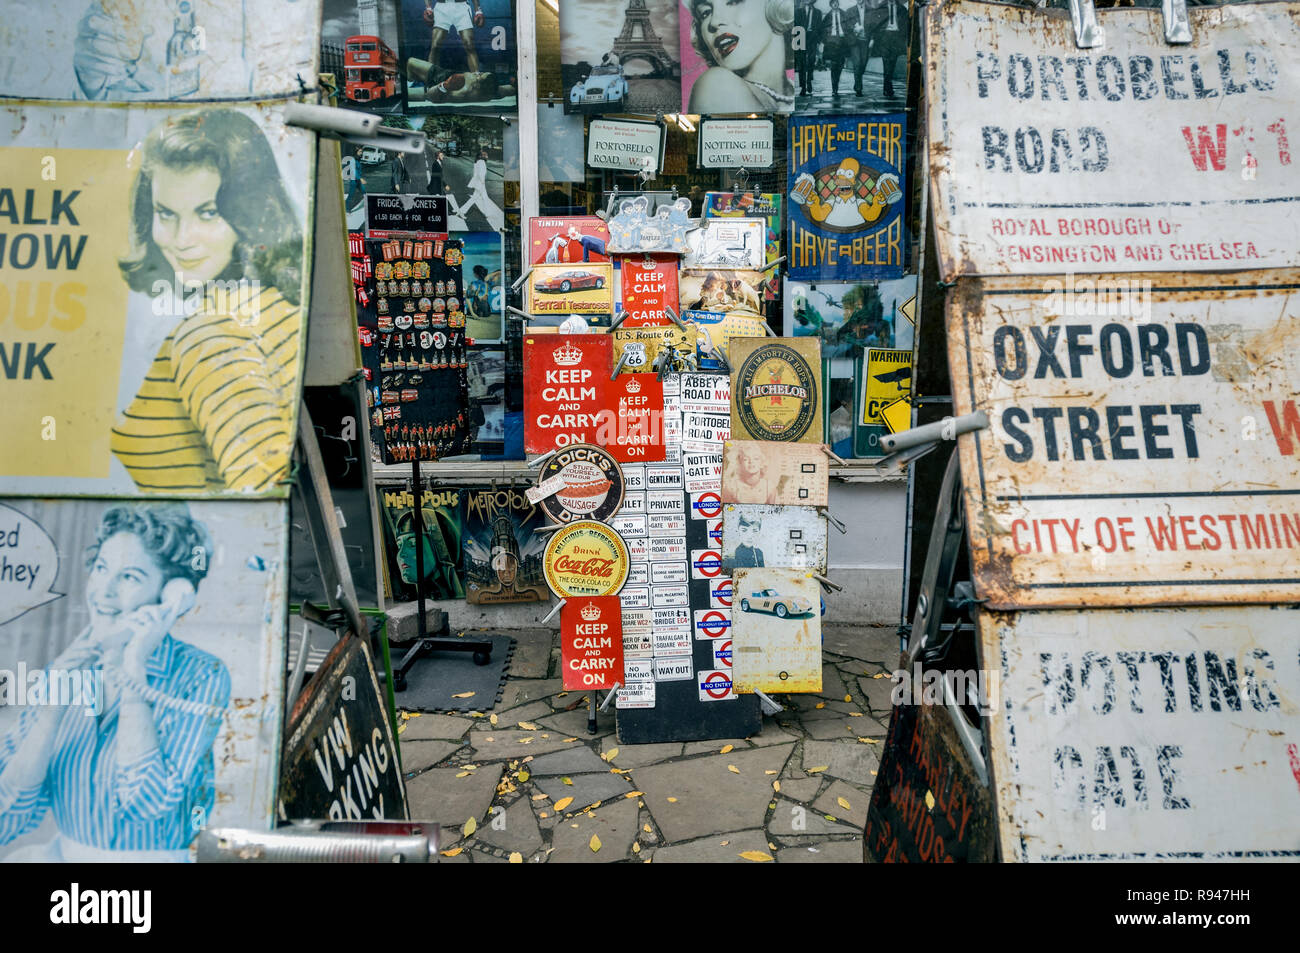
591	642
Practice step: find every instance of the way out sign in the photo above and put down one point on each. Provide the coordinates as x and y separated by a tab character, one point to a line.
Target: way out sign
591	642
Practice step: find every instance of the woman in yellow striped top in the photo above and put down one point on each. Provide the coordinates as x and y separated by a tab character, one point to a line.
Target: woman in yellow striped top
215	410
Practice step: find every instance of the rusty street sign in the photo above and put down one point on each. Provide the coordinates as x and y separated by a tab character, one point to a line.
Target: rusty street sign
1132	156
1142	438
1153	734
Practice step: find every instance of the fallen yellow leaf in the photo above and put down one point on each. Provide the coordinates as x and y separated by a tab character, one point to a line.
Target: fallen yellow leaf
771	846
412	714
525	741
724	843
527	725
830	817
540	797
776	786
568	781
726	749
594	843
848	698
855	714
647	828
873	774
632	794
464	695
636	848
470	767
573	825
771	772
516	857
672	800
462	774
401	728
562	803
524	775
611	753
453	852
592	807
733	769
470	827
879	675
817	770
842	802
757	856
929	800
544	815
620	770
567	740
870	741
530	757
821	704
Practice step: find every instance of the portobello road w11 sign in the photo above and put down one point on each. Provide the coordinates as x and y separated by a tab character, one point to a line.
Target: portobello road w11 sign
1143	441
1133	156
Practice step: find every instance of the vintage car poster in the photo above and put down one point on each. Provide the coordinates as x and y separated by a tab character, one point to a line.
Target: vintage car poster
759	471
734	61
776	389
459	57
571	289
176	605
131	267
358	47
848	180
108	51
620	57
503	554
757	536
565	241
441	520
776	631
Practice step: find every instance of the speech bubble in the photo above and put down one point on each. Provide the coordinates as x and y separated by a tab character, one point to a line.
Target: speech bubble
29	564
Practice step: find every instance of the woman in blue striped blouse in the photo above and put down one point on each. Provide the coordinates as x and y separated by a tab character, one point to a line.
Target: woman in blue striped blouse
134	772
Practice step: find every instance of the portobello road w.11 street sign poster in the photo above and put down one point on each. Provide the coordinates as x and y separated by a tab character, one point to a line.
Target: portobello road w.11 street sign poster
1134	156
848	179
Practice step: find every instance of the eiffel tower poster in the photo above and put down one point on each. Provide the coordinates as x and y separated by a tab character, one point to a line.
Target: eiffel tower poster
620	56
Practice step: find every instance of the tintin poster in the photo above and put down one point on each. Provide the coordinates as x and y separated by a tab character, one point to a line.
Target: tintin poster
459	57
848	183
503	554
179	605
139	284
442	521
561	241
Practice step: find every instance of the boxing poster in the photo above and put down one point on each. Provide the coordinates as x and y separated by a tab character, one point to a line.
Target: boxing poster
459	56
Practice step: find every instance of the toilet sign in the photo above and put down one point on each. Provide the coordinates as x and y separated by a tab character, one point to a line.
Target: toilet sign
591	642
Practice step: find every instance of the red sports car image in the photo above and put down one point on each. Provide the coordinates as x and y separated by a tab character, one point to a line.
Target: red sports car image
568	281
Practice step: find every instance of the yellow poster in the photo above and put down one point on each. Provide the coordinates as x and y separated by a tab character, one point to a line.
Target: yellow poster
151	298
888	376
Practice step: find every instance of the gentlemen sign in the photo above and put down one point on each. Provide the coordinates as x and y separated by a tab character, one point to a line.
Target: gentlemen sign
1142	441
1135	156
735	143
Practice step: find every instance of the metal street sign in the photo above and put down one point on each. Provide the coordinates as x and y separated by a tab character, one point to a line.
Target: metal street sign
1133	156
1142	438
755	535
1140	735
777	631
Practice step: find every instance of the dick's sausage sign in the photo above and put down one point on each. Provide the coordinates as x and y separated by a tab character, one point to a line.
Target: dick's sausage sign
1133	156
1143	442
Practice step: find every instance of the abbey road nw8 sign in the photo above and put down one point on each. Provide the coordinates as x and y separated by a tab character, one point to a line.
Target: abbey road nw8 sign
1155	734
1142	439
1134	156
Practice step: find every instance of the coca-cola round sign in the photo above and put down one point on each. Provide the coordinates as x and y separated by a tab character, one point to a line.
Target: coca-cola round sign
586	558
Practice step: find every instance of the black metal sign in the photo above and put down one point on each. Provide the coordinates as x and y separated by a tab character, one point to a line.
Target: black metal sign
388	215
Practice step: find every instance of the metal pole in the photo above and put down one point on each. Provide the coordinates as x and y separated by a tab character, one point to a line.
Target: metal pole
417	521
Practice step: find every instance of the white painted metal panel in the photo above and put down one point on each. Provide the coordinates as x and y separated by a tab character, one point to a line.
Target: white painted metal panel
1154	734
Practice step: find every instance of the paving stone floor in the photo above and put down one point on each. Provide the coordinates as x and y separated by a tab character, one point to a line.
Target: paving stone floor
525	783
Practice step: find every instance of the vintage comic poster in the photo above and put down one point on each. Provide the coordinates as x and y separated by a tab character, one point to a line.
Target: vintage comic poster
503	554
442	521
776	389
561	241
620	57
848	181
760	471
173	609
459	56
359	47
159	51
776	631
735	57
757	536
128	268
850	54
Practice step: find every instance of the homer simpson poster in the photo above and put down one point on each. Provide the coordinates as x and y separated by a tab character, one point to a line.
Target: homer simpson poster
847	188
